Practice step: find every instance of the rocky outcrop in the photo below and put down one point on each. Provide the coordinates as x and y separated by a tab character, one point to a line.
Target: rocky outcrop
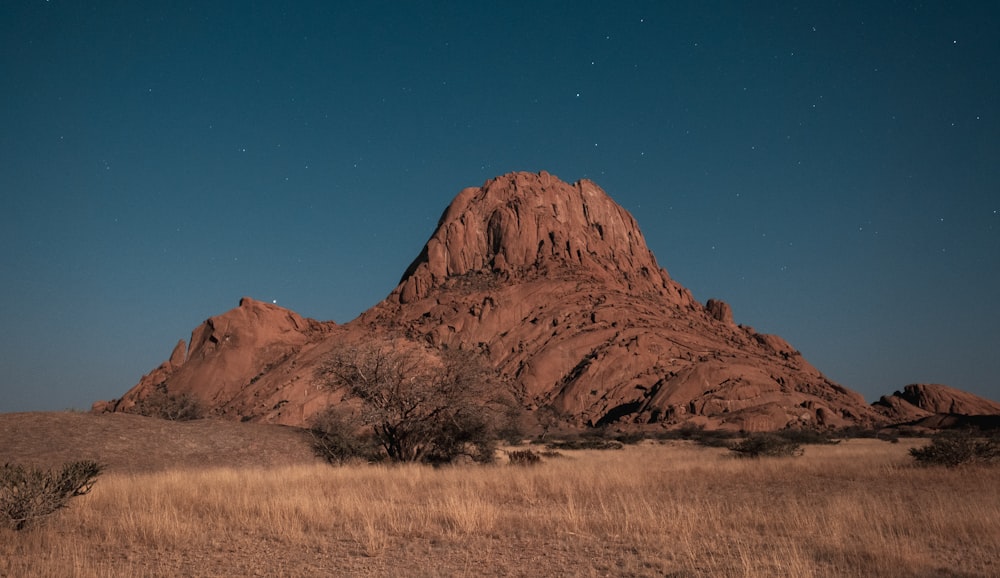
229	358
719	310
919	401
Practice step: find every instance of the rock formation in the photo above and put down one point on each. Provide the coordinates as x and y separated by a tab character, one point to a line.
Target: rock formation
554	284
920	401
228	358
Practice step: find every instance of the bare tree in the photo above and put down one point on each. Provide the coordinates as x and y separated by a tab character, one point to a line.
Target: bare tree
423	407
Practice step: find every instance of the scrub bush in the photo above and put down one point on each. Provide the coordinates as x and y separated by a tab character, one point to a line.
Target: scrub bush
29	495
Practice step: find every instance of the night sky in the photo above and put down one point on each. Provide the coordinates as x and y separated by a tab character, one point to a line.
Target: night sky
832	170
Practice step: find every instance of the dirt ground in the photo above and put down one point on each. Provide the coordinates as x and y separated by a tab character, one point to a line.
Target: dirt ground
133	444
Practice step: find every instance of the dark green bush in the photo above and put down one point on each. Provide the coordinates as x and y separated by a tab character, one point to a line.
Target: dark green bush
765	445
956	448
28	495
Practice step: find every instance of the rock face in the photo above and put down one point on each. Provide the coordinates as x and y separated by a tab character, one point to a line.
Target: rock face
521	222
920	401
554	284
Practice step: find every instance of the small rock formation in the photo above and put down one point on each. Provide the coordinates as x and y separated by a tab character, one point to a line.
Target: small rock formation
920	401
719	310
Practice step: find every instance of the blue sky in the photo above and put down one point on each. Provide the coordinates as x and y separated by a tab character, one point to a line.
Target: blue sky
833	172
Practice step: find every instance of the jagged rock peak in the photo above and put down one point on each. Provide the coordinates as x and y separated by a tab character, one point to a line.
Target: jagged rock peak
523	222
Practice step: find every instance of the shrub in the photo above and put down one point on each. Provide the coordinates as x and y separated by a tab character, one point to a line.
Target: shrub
857	432
716	438
953	449
421	406
698	434
337	438
28	495
585	444
766	445
510	429
523	458
688	431
630	438
808	437
164	405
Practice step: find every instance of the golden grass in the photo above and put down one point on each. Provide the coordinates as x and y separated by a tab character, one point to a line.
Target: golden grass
854	509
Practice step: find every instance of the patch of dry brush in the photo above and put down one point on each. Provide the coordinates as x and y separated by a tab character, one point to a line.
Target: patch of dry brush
859	508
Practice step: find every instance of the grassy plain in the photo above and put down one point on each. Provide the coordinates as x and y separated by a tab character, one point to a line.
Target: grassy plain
656	509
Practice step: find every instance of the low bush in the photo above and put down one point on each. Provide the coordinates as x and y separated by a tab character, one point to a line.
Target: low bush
630	438
29	495
337	438
585	444
855	432
716	438
175	407
956	448
699	435
523	458
808	436
766	445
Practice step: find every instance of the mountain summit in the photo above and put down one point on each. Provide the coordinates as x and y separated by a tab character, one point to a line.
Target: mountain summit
553	283
522	223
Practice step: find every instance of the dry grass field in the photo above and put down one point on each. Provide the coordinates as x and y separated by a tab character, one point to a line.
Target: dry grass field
656	509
